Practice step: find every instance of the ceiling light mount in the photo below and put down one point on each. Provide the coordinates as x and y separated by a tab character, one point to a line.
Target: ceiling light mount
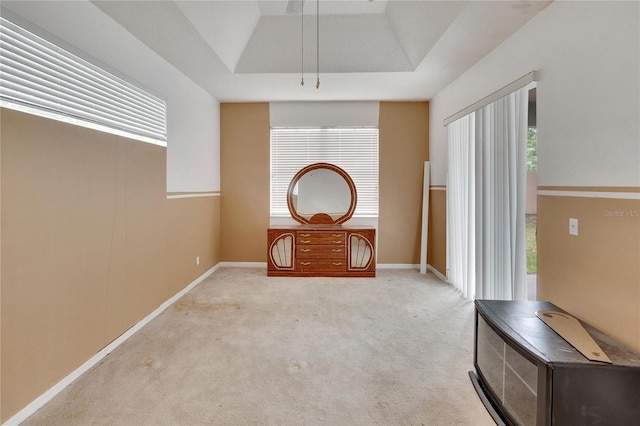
317	44
302	43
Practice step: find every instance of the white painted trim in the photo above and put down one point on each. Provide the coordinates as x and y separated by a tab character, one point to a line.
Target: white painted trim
437	273
40	401
79	122
243	264
192	195
592	194
264	265
437	188
424	240
324	114
398	266
500	93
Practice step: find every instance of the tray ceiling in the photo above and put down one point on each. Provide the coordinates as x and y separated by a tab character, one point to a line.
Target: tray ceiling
246	50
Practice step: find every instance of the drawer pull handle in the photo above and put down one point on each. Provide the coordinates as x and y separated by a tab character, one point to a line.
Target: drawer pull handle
305	235
337	263
305	263
337	235
305	250
305	241
337	242
336	250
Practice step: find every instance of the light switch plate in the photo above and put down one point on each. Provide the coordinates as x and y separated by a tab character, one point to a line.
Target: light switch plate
573	226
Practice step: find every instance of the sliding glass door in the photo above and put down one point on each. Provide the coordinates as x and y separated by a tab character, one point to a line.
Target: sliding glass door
486	238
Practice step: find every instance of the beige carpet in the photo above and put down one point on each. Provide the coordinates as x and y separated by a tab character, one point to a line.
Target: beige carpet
245	349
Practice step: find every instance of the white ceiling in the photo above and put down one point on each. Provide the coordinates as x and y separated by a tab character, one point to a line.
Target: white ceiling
247	50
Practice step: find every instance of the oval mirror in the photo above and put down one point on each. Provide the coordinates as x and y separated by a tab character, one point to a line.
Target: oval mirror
321	193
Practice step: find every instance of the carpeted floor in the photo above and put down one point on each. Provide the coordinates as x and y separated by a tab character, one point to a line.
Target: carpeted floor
245	349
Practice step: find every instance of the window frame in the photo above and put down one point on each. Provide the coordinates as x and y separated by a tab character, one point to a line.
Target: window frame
45	78
342	146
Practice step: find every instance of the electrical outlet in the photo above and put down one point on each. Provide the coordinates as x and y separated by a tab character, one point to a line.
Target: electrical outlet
197	260
573	226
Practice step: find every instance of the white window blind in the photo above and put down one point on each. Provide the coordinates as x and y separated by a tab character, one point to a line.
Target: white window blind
353	149
39	77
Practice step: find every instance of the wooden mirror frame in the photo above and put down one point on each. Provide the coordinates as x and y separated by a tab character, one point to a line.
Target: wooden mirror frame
321	217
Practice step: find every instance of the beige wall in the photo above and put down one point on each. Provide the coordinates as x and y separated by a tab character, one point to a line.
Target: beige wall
90	246
597	271
437	249
403	149
244	146
244	181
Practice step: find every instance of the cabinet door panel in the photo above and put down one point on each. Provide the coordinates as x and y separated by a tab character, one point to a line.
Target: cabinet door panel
520	387
490	357
525	369
361	252
280	254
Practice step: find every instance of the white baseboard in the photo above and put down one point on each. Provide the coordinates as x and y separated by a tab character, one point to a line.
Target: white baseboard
378	266
243	264
40	401
412	266
437	273
397	266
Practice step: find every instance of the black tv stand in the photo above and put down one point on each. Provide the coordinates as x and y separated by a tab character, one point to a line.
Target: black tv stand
526	374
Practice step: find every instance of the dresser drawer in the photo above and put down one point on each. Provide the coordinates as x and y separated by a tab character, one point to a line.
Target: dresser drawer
323	237
321	251
325	265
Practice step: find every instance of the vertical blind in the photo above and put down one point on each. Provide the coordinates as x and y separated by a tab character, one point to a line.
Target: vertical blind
38	75
353	149
486	192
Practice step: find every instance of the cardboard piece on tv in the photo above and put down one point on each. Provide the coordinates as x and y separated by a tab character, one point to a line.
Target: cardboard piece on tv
571	330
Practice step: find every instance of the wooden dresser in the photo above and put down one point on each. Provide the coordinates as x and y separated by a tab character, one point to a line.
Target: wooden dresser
321	251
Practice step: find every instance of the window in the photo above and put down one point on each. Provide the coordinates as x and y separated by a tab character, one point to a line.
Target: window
38	77
354	149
